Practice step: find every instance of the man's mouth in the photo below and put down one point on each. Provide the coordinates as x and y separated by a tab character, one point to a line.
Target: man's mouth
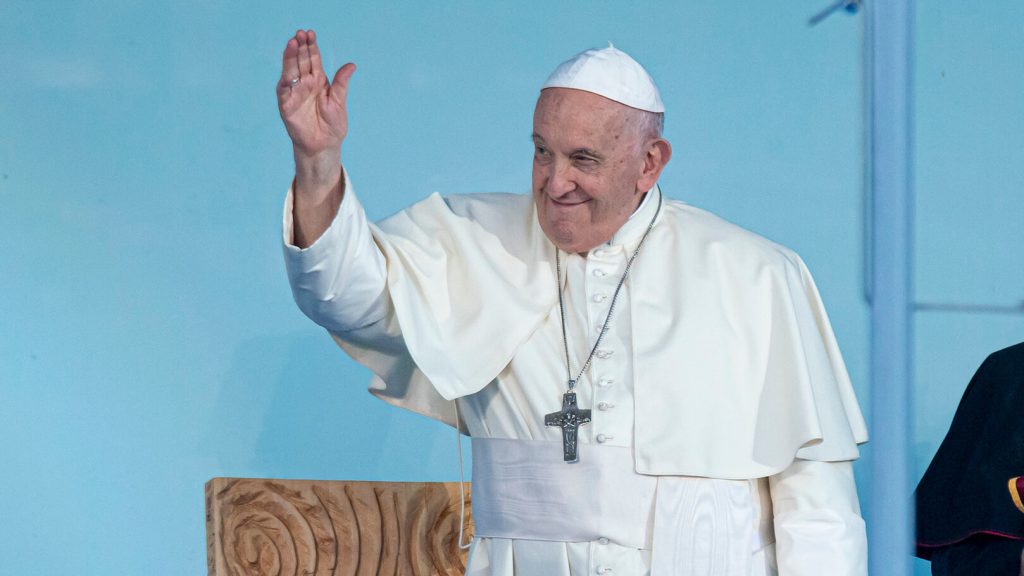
568	202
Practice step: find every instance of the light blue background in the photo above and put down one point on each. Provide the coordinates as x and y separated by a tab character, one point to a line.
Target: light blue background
148	341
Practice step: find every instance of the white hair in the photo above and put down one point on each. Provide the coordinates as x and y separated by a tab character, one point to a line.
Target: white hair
645	126
649	124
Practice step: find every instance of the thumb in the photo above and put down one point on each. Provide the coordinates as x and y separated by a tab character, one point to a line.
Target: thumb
339	86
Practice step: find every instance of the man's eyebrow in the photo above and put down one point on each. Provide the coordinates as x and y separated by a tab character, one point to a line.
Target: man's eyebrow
537	138
587	152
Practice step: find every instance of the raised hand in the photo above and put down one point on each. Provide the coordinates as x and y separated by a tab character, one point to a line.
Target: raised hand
314	114
312	109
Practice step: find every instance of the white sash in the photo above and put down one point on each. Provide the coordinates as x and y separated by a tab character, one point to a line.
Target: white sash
523	490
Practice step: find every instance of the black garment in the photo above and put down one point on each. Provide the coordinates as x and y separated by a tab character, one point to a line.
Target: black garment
980	555
967	522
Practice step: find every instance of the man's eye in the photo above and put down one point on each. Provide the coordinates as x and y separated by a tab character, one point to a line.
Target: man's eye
540	151
585	160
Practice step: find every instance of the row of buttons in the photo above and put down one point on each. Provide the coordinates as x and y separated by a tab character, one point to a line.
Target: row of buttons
602	354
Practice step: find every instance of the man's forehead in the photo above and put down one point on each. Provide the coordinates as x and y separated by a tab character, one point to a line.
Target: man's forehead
577	121
565	108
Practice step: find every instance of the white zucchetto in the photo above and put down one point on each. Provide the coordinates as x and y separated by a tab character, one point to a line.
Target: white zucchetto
611	73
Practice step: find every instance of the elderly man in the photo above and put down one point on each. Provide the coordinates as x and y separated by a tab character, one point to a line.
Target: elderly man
650	389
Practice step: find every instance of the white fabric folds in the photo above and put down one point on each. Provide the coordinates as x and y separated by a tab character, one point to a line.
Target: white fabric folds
737	371
522	490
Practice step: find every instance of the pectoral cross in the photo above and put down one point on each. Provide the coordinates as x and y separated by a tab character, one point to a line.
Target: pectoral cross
569	419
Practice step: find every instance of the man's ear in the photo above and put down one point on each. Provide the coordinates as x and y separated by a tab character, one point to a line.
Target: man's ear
659	151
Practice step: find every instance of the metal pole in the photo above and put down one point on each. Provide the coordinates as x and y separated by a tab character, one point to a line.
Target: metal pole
890	530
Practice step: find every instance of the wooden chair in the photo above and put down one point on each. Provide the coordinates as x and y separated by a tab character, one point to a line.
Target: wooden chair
261	527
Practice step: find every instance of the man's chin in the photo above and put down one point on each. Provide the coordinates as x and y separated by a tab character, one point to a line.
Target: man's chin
566	240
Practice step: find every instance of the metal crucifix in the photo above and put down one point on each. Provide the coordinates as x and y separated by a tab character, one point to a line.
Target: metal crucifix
569	419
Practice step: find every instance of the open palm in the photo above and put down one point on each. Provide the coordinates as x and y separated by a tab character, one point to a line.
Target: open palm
312	109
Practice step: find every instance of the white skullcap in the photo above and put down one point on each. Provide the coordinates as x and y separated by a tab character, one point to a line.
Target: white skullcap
611	73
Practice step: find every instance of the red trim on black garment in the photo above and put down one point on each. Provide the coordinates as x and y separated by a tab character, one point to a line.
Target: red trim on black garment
924	551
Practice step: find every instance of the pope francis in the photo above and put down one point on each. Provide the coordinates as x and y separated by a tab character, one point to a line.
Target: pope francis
649	389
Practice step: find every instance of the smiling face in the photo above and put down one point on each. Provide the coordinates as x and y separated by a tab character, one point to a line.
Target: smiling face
591	166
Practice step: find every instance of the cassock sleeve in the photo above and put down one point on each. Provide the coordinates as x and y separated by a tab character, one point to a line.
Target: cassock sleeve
340	283
817	520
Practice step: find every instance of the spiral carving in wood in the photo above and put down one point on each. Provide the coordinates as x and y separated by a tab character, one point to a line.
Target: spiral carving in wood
259	527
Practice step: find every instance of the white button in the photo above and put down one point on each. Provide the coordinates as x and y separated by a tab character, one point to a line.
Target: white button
604	354
599	273
605	382
599	298
604	570
599	253
602	438
602	406
603	541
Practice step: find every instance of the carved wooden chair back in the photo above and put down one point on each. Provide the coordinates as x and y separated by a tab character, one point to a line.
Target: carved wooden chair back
267	527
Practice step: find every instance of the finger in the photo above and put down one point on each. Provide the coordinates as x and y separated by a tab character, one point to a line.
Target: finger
305	66
339	86
316	64
290	63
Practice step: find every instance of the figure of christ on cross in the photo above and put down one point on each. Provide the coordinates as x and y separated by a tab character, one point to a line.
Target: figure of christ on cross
569	419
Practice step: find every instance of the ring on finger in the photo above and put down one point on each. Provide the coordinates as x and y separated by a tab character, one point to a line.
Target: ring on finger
294	81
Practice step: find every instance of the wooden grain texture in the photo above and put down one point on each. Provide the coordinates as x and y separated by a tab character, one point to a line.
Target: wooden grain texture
260	527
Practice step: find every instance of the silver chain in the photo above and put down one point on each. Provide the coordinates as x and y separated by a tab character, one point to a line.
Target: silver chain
611	307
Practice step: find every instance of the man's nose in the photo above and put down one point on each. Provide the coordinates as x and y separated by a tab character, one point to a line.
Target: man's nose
560	180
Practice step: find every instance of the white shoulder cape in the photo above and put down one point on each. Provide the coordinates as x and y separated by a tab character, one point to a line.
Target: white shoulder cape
737	371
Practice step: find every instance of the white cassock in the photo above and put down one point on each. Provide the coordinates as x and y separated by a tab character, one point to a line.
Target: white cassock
724	423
